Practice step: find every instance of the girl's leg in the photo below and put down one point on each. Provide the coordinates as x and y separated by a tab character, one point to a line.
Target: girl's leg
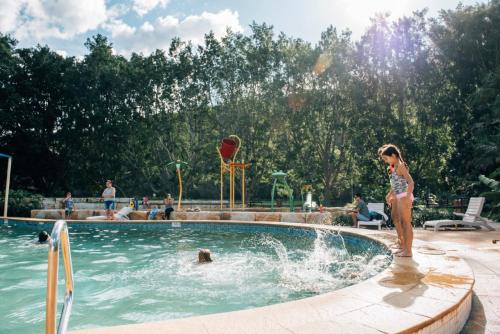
405	205
397	221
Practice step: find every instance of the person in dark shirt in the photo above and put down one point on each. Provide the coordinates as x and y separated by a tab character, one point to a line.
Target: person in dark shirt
360	212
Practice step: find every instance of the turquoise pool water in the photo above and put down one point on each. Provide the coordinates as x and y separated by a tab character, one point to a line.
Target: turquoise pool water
133	275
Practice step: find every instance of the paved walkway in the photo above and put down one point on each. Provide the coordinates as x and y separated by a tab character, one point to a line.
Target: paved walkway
483	256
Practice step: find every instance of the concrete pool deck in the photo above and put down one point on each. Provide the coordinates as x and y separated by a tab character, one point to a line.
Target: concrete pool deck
429	293
477	249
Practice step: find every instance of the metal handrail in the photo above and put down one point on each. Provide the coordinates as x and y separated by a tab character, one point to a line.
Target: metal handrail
58	236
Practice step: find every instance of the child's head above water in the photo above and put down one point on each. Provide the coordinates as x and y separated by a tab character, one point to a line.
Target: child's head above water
43	236
204	256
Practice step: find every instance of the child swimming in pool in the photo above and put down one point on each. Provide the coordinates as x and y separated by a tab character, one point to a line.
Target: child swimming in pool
204	256
400	198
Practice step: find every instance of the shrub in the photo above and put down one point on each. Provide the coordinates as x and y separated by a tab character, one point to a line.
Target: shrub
423	214
343	220
21	202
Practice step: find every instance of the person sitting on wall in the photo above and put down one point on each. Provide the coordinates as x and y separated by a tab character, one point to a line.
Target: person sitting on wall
152	214
145	202
169	206
360	211
68	205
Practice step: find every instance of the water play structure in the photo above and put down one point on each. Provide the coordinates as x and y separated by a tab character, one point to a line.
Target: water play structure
179	165
228	149
279	182
308	204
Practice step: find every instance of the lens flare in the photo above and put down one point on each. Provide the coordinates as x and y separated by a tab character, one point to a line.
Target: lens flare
322	64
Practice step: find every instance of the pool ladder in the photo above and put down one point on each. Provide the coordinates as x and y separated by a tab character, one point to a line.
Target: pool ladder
58	237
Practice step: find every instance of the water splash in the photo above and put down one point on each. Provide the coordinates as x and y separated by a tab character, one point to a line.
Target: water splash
326	266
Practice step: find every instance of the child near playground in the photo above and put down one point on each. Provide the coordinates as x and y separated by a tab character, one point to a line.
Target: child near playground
109	199
400	198
169	206
68	205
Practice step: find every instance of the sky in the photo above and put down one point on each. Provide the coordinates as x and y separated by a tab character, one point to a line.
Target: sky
146	25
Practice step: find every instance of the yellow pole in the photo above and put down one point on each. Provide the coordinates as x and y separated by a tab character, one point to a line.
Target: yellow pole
180	189
221	184
243	186
231	186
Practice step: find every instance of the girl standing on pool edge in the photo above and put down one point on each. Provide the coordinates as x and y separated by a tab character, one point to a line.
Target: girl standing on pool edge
400	198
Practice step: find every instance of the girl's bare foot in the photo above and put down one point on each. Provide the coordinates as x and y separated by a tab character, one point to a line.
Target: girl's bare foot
403	254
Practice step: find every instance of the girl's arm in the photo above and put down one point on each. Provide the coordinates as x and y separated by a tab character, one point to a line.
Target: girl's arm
114	193
388	197
408	178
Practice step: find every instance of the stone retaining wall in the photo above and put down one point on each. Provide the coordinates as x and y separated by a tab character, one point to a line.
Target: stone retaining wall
289	217
96	203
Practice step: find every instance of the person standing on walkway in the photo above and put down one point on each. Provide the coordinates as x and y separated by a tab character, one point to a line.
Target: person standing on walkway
400	198
108	195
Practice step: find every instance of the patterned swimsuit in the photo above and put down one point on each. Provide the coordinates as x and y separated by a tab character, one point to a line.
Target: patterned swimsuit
398	184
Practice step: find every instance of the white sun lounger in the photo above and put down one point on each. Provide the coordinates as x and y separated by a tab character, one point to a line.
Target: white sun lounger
472	217
378	208
120	215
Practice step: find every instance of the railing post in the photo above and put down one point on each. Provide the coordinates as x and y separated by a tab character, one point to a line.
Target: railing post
59	236
7	186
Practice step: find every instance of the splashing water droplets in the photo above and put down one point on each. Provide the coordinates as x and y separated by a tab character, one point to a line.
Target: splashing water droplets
326	266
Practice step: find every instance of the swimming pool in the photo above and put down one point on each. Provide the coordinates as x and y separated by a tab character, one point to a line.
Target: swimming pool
134	273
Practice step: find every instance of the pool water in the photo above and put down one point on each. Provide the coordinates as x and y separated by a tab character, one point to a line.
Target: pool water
135	276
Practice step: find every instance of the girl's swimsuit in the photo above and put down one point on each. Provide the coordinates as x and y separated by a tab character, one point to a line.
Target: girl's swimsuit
399	184
68	202
109	202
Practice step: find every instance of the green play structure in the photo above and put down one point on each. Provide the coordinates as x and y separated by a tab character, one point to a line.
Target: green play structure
279	181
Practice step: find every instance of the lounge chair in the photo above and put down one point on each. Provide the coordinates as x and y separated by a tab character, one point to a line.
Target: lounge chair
120	215
378	208
472	217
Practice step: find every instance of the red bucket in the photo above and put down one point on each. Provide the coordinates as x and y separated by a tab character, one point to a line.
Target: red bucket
227	148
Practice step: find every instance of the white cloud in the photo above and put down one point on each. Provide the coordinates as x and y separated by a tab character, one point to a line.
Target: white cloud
38	19
158	34
9	11
62	53
143	7
147	27
118	28
117	10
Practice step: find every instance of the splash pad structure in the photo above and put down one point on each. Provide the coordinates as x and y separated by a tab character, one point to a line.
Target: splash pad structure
228	150
279	181
179	165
